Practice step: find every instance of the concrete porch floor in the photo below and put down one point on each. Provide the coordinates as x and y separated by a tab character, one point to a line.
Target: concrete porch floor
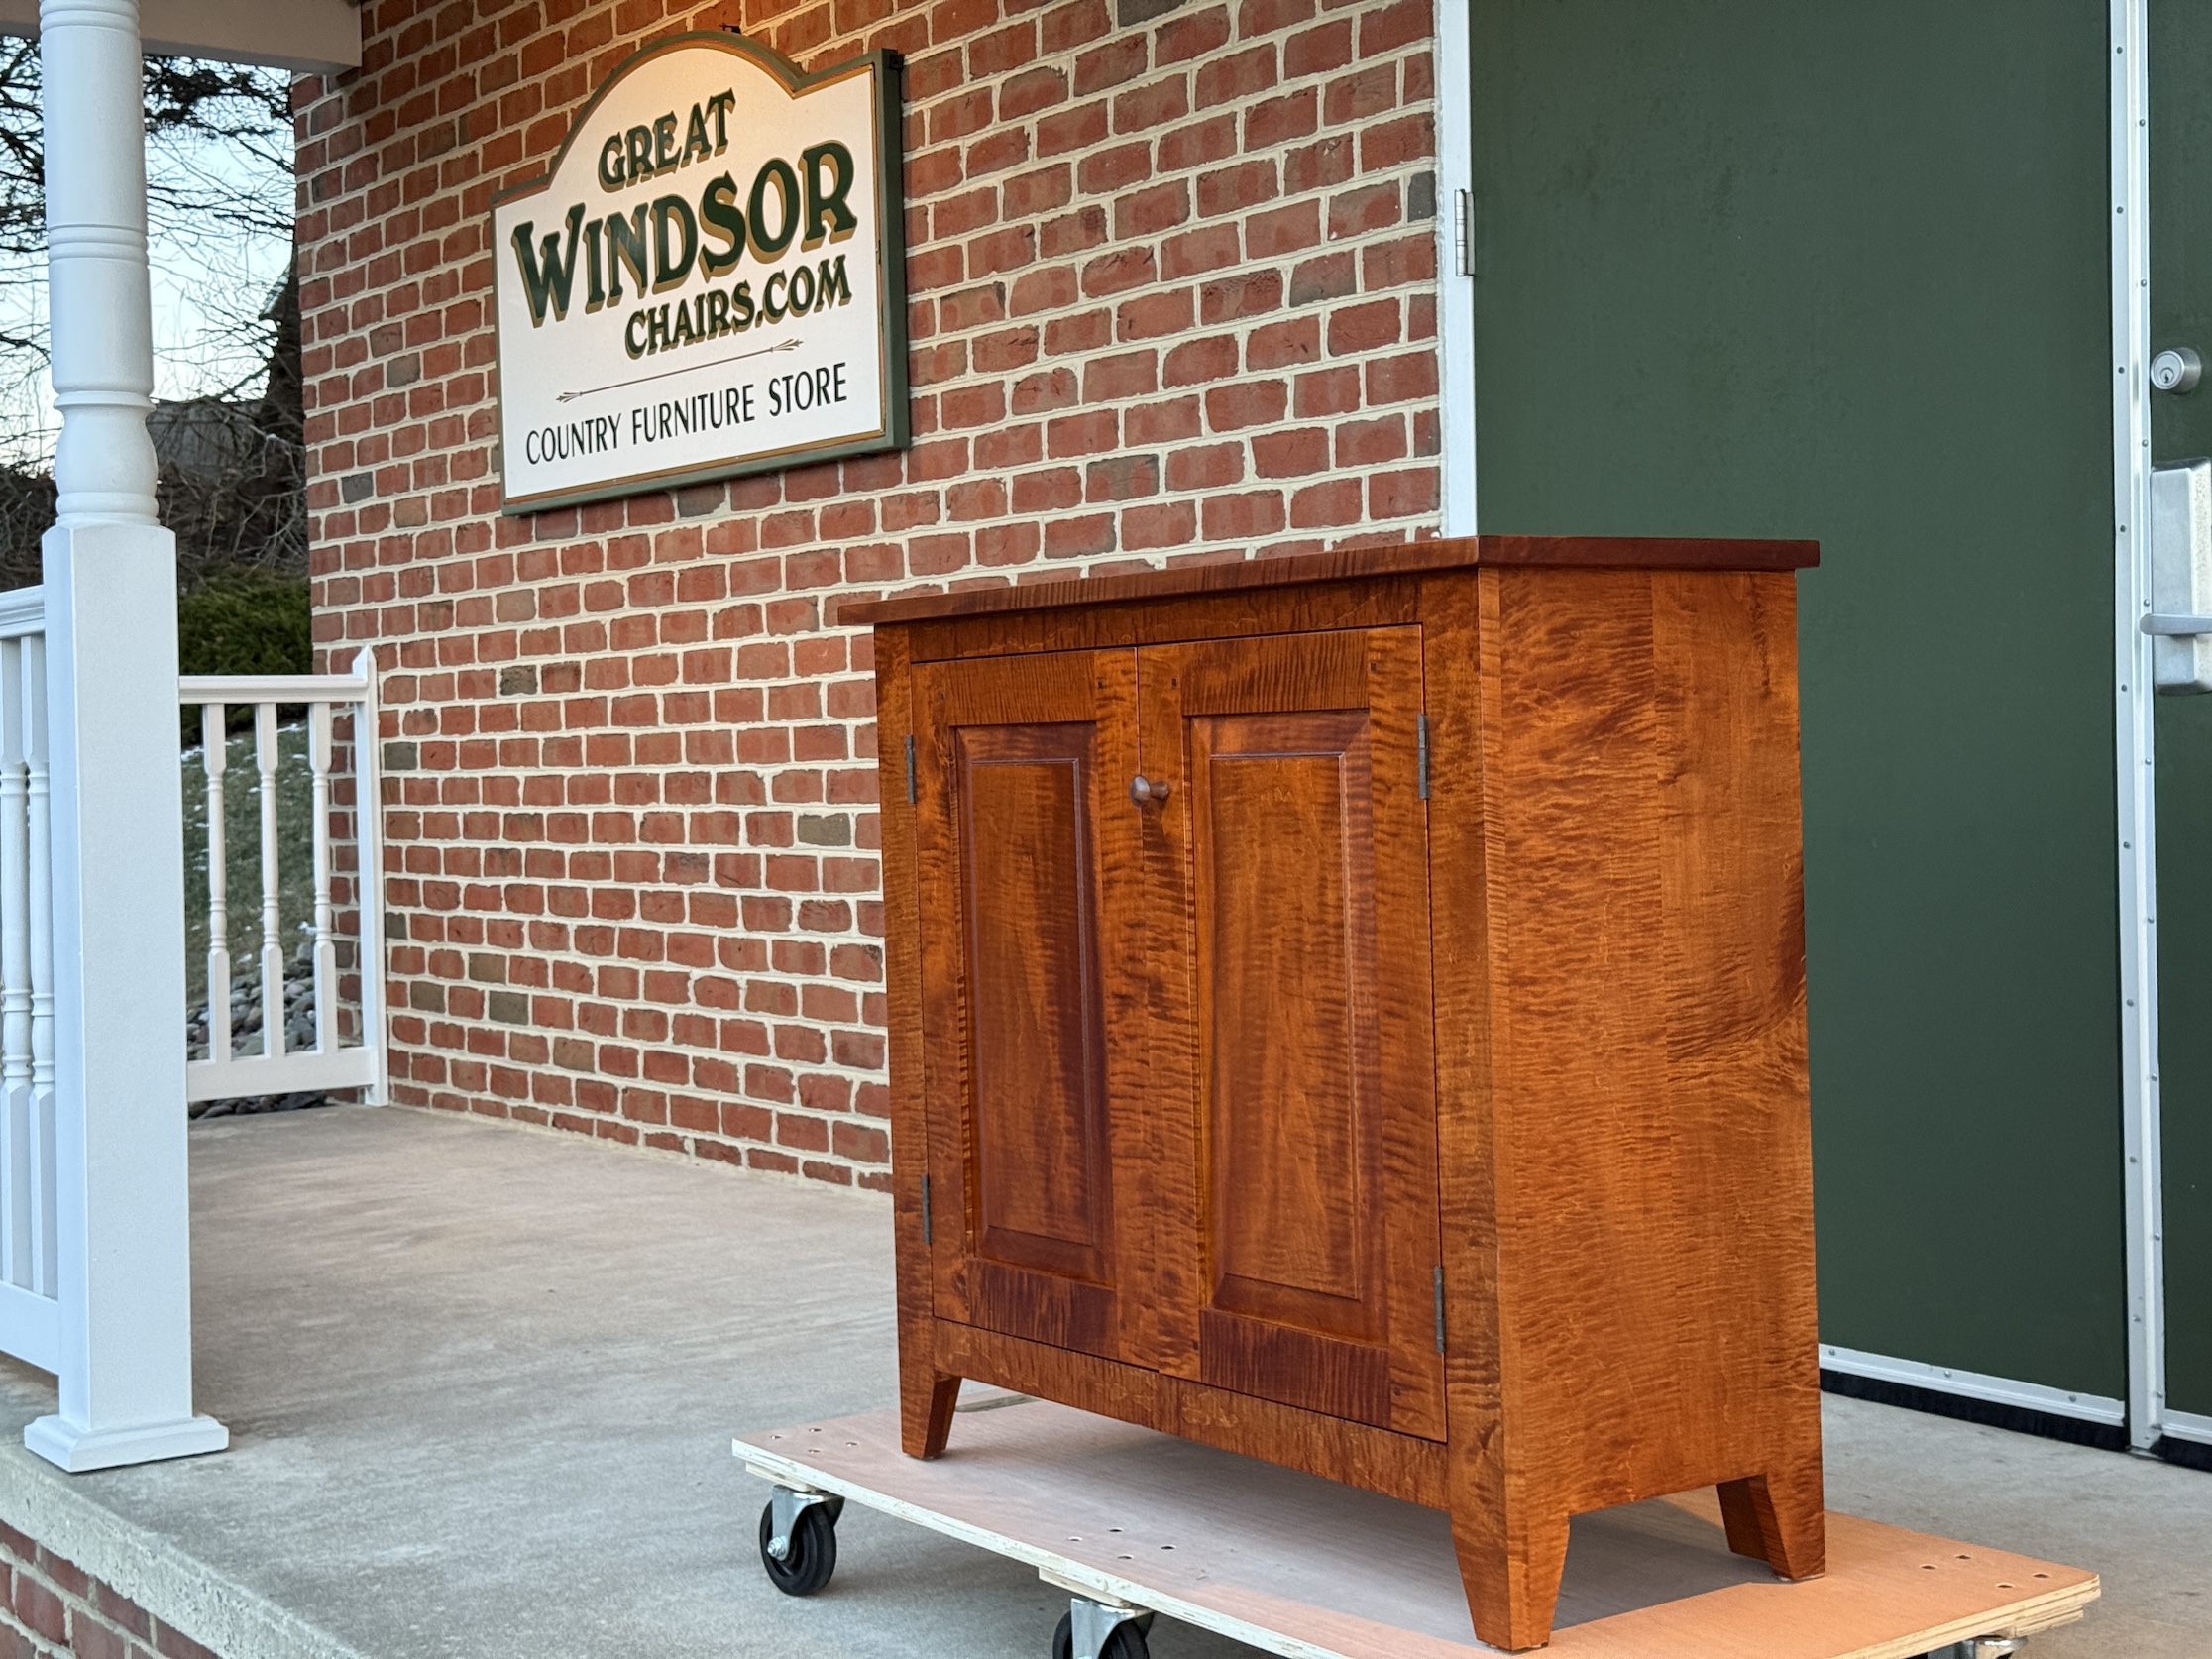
481	1383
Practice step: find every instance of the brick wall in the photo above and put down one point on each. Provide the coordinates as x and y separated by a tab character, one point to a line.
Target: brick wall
1173	298
47	1606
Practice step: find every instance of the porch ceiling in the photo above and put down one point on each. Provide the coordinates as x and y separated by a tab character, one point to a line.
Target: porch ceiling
309	35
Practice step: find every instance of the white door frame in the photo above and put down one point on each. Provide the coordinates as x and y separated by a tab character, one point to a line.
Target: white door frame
2134	755
1455	262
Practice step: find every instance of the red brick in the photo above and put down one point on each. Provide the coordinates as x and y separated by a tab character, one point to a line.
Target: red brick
1396	26
1130	375
1149	213
1290	454
1031	90
1314	166
1120	478
1195	362
1110	64
1282	230
1295	115
1241	74
1209	248
1372	207
1241	517
1246	295
628	837
1236	188
1356	96
1249	402
1399	495
1279	345
1198	144
1152	105
1167	525
1205	466
1152	316
1363	329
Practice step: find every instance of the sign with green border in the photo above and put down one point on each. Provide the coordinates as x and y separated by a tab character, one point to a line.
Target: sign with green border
709	280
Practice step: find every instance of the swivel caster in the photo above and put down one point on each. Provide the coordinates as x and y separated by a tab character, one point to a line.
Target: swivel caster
799	1539
1093	1630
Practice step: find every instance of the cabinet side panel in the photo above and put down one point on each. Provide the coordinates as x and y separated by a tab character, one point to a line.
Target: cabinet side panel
1733	890
1648	947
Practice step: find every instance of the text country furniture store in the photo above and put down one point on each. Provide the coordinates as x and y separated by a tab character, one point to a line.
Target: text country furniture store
619	393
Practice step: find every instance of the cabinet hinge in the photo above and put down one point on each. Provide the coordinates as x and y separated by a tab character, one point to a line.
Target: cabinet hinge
926	1219
1439	1307
911	794
1420	739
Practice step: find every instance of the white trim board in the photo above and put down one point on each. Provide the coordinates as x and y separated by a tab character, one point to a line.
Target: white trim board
2189	1425
1455	293
1975	1385
2136	812
307	36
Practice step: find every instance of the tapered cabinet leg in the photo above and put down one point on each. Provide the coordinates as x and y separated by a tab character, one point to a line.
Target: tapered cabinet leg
1511	1568
1779	1520
926	1401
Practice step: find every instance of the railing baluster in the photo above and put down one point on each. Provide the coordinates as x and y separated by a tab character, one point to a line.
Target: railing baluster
215	760
46	1181
342	1052
326	948
17	1207
272	948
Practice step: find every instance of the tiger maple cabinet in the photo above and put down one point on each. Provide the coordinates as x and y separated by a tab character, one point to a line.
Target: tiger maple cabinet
1351	1010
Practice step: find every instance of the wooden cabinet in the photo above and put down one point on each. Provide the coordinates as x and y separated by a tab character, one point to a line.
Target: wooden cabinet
1350	1010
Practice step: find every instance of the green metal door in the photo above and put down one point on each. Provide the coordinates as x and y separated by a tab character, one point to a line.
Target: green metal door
1747	268
2180	70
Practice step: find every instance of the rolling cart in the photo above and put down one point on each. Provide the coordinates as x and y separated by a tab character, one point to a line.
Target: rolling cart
1131	1522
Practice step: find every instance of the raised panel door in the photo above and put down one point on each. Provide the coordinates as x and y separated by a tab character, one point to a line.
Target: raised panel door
1294	1060
1018	765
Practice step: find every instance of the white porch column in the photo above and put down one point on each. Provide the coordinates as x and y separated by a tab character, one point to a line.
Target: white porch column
124	1260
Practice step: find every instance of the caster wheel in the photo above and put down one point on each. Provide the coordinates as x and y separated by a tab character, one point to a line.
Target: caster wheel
814	1550
1126	1641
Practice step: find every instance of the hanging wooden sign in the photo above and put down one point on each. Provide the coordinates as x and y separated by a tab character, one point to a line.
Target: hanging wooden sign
709	281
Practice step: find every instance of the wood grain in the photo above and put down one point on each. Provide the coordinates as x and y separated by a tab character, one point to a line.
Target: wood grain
1018	762
1543	1030
1304	609
1640	553
926	1393
1298	864
1397	1465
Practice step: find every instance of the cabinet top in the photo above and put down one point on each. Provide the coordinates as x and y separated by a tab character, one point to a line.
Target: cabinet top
1583	552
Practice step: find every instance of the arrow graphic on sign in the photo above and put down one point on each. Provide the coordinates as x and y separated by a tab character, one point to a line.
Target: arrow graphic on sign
688	369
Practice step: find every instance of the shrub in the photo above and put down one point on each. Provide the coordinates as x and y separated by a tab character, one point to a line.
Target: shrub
243	624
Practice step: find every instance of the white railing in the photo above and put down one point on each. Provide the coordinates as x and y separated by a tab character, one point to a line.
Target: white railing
340	713
348	1050
30	1311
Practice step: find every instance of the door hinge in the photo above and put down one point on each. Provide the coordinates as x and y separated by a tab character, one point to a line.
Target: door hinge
1463	232
926	1217
1440	1310
913	794
1420	741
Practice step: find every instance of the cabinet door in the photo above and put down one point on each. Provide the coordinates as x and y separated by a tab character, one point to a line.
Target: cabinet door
1020	764
1294	1061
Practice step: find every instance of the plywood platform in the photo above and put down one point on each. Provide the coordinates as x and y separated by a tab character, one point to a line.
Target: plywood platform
1299	1566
